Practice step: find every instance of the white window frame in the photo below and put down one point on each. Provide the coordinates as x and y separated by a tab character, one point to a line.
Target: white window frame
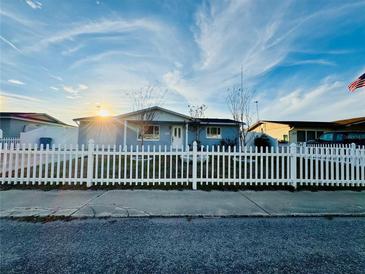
149	139
218	136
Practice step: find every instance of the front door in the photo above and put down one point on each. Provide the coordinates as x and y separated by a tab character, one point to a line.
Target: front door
177	140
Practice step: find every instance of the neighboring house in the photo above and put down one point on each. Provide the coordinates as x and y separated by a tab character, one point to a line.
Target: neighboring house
12	124
303	131
166	128
58	135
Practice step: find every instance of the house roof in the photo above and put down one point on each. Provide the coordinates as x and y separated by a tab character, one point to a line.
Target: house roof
351	121
126	115
33	116
219	121
154	108
200	120
313	124
89	118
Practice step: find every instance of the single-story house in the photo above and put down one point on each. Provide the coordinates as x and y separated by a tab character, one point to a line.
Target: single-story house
12	124
303	131
164	127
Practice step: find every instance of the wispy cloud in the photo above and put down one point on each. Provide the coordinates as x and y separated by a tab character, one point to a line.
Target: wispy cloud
56	77
16	82
83	87
70	51
17	18
74	91
195	52
174	80
226	41
10	44
313	62
327	52
231	34
327	101
19	97
102	57
103	26
51	74
34	4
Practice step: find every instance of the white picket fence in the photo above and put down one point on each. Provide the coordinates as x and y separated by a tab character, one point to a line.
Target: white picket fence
141	166
9	141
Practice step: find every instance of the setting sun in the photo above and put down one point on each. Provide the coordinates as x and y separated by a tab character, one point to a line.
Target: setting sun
103	113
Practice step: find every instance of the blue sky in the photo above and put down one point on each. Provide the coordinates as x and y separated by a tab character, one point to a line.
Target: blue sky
67	57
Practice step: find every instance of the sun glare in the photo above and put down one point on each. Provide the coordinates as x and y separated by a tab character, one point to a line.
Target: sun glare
103	113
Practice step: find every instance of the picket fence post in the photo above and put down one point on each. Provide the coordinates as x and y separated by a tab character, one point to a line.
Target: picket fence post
293	165
353	163
90	163
353	154
195	165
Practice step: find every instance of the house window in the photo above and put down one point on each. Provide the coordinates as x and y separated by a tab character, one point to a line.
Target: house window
311	135
300	136
339	137
319	133
214	132
177	132
328	137
356	136
150	133
285	138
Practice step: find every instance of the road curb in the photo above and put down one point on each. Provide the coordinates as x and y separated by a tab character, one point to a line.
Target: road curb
50	218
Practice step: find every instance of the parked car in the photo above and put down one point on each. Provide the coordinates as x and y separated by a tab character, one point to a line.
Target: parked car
357	138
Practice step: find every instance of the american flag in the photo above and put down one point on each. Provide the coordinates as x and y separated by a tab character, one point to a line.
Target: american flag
358	83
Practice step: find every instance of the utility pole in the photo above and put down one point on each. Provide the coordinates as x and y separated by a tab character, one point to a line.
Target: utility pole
241	78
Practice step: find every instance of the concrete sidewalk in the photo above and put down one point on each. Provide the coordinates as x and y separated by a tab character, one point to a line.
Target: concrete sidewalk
137	203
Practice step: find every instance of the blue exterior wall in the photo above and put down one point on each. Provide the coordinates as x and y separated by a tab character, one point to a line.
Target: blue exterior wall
227	132
230	132
13	127
107	132
5	126
165	137
83	138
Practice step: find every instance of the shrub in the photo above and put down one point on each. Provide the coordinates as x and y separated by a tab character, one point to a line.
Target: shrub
228	143
262	141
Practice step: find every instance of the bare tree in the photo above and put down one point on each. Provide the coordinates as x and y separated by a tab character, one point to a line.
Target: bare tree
196	113
239	102
146	99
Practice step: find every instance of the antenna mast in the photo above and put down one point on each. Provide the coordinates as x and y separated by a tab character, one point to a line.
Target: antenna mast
241	78
257	110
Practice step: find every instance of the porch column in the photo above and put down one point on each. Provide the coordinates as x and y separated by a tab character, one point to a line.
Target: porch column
125	133
186	134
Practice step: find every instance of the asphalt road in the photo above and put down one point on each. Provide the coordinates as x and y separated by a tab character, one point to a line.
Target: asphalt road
248	245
